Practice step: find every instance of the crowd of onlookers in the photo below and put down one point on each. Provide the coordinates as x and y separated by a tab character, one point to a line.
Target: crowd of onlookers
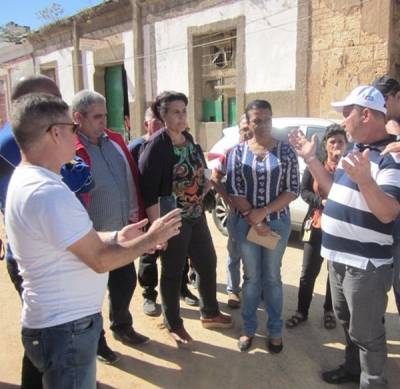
82	205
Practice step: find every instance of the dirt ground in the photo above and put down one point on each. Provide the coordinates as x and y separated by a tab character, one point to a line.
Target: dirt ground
214	359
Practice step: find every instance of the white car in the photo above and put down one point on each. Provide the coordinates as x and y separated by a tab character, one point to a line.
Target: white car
281	127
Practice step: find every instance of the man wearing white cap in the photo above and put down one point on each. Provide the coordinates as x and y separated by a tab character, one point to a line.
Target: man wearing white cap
357	238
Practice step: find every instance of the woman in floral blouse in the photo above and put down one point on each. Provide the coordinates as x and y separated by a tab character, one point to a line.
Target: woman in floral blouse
171	163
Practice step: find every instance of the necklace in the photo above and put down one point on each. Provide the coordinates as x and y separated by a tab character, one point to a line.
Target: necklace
178	139
260	150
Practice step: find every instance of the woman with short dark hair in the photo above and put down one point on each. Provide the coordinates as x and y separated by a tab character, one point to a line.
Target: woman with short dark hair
171	163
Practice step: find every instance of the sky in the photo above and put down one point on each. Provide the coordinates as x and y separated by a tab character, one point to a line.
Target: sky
23	12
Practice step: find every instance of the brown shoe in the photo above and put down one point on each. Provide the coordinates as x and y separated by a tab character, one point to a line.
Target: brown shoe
233	300
219	321
181	337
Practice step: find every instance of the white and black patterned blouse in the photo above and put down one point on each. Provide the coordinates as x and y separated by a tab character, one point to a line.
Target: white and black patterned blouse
262	180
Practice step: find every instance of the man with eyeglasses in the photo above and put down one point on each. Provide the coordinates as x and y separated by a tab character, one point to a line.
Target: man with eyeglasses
63	260
76	175
357	226
113	203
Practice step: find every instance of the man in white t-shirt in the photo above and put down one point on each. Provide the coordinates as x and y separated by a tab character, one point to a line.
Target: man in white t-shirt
58	252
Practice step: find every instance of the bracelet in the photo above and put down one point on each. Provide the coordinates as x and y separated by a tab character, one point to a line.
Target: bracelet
308	160
245	213
259	224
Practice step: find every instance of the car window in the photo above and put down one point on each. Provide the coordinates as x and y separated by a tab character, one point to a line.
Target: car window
320	131
281	133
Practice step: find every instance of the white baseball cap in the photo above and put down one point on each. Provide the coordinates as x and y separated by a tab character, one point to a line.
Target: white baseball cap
364	96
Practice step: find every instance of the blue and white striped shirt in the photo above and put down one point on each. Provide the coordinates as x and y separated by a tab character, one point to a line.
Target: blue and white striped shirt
352	234
262	180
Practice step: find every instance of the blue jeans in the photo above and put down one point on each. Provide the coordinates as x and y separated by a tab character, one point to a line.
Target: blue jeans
65	354
262	274
234	255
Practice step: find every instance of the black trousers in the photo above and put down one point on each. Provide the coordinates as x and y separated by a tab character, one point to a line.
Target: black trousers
31	377
148	276
194	241
121	286
312	262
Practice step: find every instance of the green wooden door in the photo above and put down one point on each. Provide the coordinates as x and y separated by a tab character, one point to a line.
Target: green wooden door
114	91
232	111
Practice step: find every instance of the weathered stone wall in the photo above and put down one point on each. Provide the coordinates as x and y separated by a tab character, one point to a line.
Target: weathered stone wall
395	41
349	47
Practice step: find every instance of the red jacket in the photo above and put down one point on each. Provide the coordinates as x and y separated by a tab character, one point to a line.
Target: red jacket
117	138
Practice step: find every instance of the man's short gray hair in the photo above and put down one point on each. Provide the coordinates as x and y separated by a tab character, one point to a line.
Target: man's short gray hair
84	99
33	114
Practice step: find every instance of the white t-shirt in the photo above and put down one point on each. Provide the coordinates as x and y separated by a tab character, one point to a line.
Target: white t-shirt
43	218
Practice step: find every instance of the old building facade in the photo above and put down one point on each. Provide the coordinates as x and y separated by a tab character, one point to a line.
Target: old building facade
298	54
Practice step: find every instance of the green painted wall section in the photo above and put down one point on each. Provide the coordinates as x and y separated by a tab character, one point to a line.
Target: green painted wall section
114	91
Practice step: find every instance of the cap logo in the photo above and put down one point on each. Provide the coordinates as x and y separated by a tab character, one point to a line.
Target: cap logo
369	98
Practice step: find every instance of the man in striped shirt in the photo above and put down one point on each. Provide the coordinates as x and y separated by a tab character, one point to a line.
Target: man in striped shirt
357	225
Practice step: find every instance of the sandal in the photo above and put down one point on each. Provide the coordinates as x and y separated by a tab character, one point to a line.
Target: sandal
329	320
295	320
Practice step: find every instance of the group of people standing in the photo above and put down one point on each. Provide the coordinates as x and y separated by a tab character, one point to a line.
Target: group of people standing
353	200
69	219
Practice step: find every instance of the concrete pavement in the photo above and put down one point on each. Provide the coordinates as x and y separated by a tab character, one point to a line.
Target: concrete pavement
215	360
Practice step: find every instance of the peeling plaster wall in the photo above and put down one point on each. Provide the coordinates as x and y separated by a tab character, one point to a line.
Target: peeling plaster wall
129	64
349	47
88	69
64	71
270	52
21	69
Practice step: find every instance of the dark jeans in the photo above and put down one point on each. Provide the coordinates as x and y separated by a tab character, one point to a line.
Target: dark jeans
194	241
121	285
66	353
312	262
31	377
396	262
148	276
360	301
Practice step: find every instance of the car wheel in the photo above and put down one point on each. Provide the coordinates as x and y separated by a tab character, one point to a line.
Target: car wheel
220	215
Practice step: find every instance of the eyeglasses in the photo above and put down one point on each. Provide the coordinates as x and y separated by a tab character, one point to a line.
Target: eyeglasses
349	109
74	127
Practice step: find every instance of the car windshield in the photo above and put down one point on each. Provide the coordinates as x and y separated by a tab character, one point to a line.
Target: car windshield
281	133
